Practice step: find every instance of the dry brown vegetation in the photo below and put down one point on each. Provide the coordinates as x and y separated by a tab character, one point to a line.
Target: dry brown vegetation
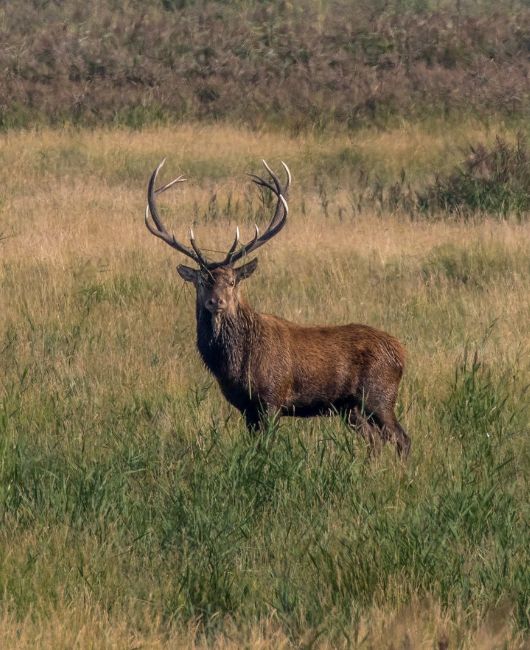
302	65
88	627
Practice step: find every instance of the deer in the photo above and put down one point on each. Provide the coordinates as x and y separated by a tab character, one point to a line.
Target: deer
268	367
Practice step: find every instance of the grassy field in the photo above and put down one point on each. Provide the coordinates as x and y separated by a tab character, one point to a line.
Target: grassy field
136	510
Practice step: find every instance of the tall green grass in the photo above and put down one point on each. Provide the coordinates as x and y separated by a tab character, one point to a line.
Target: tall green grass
209	522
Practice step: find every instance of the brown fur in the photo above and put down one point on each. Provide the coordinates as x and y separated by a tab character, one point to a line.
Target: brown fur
267	366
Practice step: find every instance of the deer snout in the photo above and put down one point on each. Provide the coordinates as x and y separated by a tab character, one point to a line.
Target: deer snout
215	303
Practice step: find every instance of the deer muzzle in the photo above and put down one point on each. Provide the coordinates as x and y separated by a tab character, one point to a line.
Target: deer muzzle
215	304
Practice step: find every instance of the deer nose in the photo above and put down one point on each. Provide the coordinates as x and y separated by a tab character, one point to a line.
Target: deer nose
215	304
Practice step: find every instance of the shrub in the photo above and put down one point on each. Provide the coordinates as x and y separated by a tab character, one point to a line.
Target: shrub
494	180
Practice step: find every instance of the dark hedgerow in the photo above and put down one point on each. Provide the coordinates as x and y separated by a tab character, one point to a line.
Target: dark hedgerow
494	181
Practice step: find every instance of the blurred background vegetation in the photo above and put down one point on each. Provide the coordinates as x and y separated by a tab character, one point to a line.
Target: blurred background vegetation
310	64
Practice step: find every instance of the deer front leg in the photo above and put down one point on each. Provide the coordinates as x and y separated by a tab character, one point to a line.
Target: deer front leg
259	417
253	419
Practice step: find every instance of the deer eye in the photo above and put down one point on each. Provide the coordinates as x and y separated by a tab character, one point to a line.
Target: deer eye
232	283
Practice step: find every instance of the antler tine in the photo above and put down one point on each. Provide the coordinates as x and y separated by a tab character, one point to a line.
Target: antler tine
160	231
289	178
263	183
252	242
280	213
277	189
201	259
234	244
179	179
260	181
232	256
151	197
283	191
275	179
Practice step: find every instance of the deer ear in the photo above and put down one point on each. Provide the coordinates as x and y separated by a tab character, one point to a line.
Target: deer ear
245	271
187	273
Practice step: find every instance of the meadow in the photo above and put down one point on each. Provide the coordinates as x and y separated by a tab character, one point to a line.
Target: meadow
138	512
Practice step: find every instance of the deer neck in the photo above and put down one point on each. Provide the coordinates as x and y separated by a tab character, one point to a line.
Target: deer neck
224	341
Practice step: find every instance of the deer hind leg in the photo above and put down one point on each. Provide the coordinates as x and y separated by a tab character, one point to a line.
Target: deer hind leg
402	440
392	430
379	408
361	424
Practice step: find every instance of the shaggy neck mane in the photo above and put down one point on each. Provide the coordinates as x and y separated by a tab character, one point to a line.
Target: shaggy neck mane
224	340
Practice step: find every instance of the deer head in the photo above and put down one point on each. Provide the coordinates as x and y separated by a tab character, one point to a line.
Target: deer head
217	283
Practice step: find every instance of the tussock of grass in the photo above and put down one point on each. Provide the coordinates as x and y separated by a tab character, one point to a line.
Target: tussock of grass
135	508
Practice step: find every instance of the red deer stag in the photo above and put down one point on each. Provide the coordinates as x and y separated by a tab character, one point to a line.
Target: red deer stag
267	366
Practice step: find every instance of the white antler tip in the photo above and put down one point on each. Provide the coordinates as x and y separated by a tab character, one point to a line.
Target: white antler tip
158	168
288	171
192	236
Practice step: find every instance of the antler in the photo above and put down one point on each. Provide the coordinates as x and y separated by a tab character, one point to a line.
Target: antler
160	230
277	222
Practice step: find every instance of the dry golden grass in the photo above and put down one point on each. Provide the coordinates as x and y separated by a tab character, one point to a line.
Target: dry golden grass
73	216
86	627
